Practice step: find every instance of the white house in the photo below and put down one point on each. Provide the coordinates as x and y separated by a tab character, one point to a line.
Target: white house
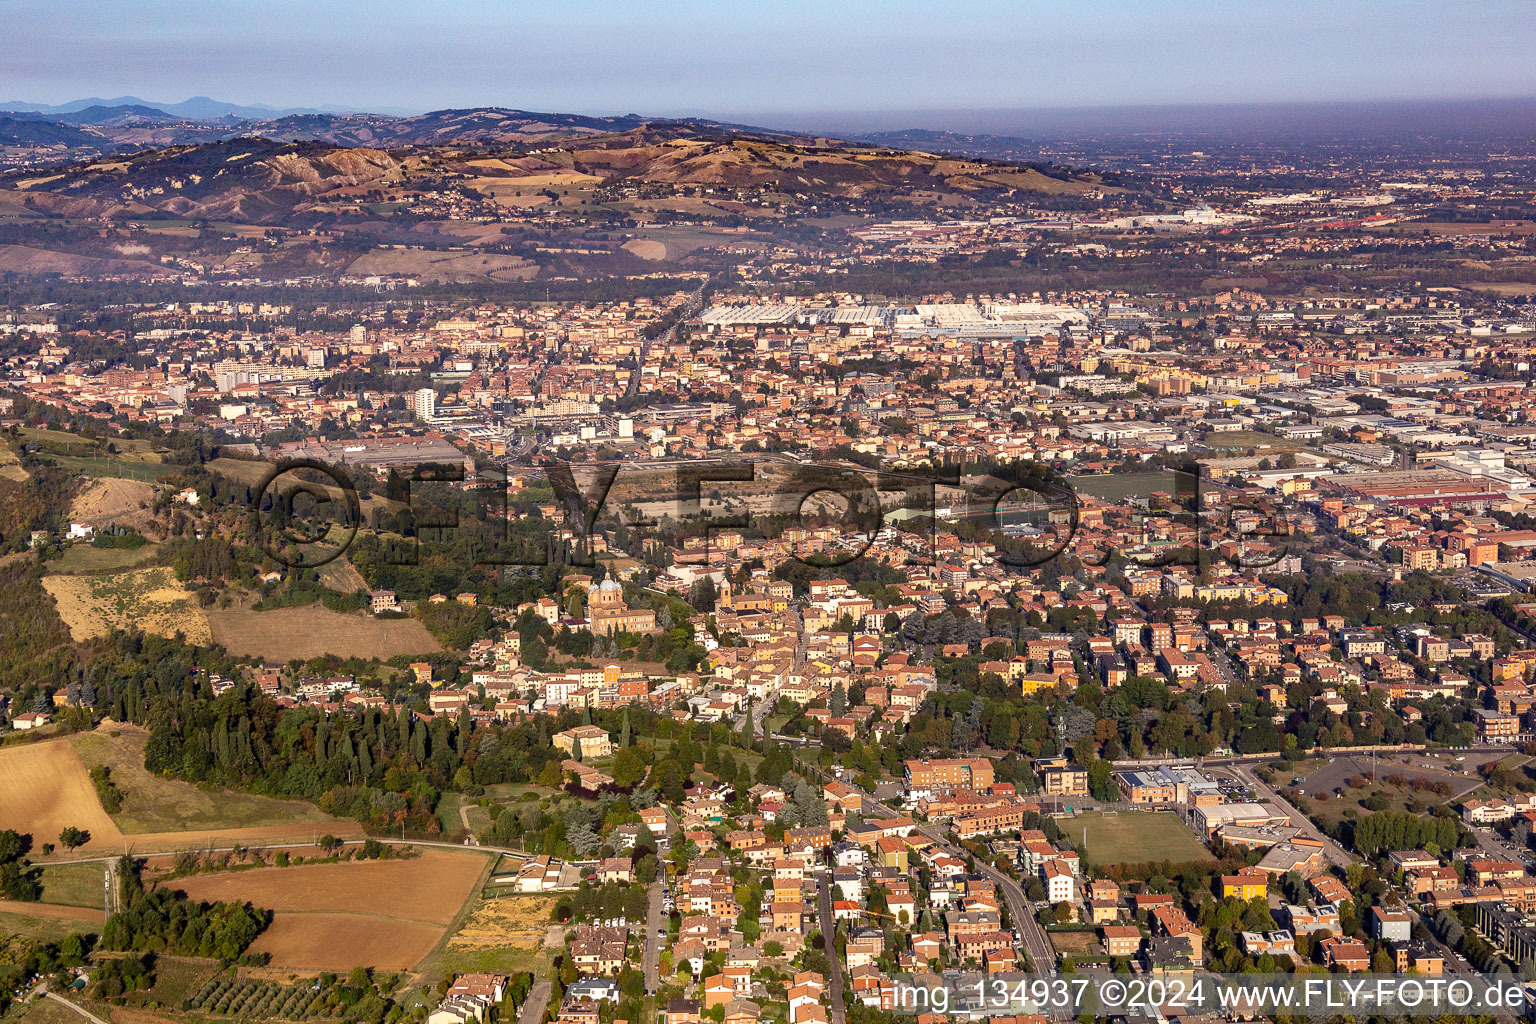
30	720
1060	884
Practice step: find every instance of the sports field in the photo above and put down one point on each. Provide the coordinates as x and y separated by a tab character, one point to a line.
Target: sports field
1134	837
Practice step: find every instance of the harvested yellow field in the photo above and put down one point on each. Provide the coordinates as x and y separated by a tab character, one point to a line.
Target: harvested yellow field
508	922
148	599
314	630
44	789
558	179
646	248
106	498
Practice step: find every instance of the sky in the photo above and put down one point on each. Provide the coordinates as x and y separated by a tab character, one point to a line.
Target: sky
765	62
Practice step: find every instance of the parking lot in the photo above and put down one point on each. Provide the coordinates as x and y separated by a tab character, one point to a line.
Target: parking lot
1338	770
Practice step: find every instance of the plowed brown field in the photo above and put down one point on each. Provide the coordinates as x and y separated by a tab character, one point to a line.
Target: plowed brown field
333	917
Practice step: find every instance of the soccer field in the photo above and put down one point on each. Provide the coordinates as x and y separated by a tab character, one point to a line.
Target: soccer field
1133	837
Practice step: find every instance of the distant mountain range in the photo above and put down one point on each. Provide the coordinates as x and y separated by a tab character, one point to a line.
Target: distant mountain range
268	180
197	108
95	126
118	125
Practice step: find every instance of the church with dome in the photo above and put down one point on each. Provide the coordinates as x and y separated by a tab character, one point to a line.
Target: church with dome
608	613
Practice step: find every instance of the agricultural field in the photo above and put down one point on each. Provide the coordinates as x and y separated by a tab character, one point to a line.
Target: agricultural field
38	921
501	934
155	804
51	912
445	267
149	599
44	789
387	914
1134	837
177	978
309	632
107	499
223	995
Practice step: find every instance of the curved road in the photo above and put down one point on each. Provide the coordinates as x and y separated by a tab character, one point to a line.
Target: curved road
82	1011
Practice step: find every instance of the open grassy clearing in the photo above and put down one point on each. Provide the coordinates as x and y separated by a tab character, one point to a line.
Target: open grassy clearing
149	599
341	576
1119	486
83	558
10	464
74	885
1134	837
1330	809
525	792
155	804
66	442
128	469
1338	787
47	1011
39	921
255	474
1075	943
1252	439
309	632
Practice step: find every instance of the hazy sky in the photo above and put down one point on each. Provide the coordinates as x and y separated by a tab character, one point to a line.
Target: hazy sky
730	58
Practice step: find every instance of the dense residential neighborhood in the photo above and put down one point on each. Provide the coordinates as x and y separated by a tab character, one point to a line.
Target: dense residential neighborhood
471	565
